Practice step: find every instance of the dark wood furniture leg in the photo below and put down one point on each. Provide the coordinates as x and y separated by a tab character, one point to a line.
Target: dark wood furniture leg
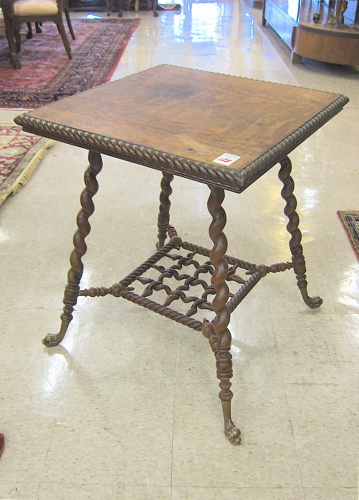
29	29
68	20
154	7
296	235
10	35
217	331
17	36
164	209
76	270
13	36
65	41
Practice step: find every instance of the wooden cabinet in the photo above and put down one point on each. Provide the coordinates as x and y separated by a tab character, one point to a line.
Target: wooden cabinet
326	40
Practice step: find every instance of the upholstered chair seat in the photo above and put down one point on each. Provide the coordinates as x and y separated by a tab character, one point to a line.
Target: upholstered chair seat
35	8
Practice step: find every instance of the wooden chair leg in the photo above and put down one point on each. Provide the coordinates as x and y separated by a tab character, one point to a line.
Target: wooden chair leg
68	20
29	31
9	31
17	37
61	29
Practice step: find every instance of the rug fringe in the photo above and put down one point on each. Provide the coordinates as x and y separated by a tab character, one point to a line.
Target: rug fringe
23	179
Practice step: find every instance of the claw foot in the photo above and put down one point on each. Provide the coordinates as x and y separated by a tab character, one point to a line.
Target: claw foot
51	339
14	60
232	433
312	302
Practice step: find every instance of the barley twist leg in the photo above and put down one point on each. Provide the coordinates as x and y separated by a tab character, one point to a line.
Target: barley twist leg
296	235
164	210
221	333
75	272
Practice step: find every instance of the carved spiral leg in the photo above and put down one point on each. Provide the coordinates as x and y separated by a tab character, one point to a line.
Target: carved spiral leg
296	236
75	272
223	336
164	210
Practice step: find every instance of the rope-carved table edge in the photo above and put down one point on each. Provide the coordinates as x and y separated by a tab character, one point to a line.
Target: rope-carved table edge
228	179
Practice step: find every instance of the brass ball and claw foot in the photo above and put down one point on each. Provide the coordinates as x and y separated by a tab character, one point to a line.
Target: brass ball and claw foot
232	433
312	302
52	339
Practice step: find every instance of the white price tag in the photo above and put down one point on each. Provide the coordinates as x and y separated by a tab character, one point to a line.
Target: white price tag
226	159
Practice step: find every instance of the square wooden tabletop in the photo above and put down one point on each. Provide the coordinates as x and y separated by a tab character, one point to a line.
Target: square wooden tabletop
211	127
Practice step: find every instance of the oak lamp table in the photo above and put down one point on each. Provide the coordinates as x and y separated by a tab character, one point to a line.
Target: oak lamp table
220	130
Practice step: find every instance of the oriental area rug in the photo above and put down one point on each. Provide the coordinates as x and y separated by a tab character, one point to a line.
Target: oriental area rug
48	75
20	154
350	221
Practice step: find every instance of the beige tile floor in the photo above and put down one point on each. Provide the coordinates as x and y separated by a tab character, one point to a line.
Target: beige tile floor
127	407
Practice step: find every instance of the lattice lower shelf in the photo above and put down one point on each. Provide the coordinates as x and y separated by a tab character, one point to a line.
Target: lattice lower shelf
190	292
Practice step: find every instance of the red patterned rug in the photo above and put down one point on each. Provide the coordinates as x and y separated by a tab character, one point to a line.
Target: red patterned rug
48	75
20	154
350	221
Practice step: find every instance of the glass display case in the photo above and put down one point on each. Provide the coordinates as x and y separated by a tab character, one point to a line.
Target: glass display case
325	31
